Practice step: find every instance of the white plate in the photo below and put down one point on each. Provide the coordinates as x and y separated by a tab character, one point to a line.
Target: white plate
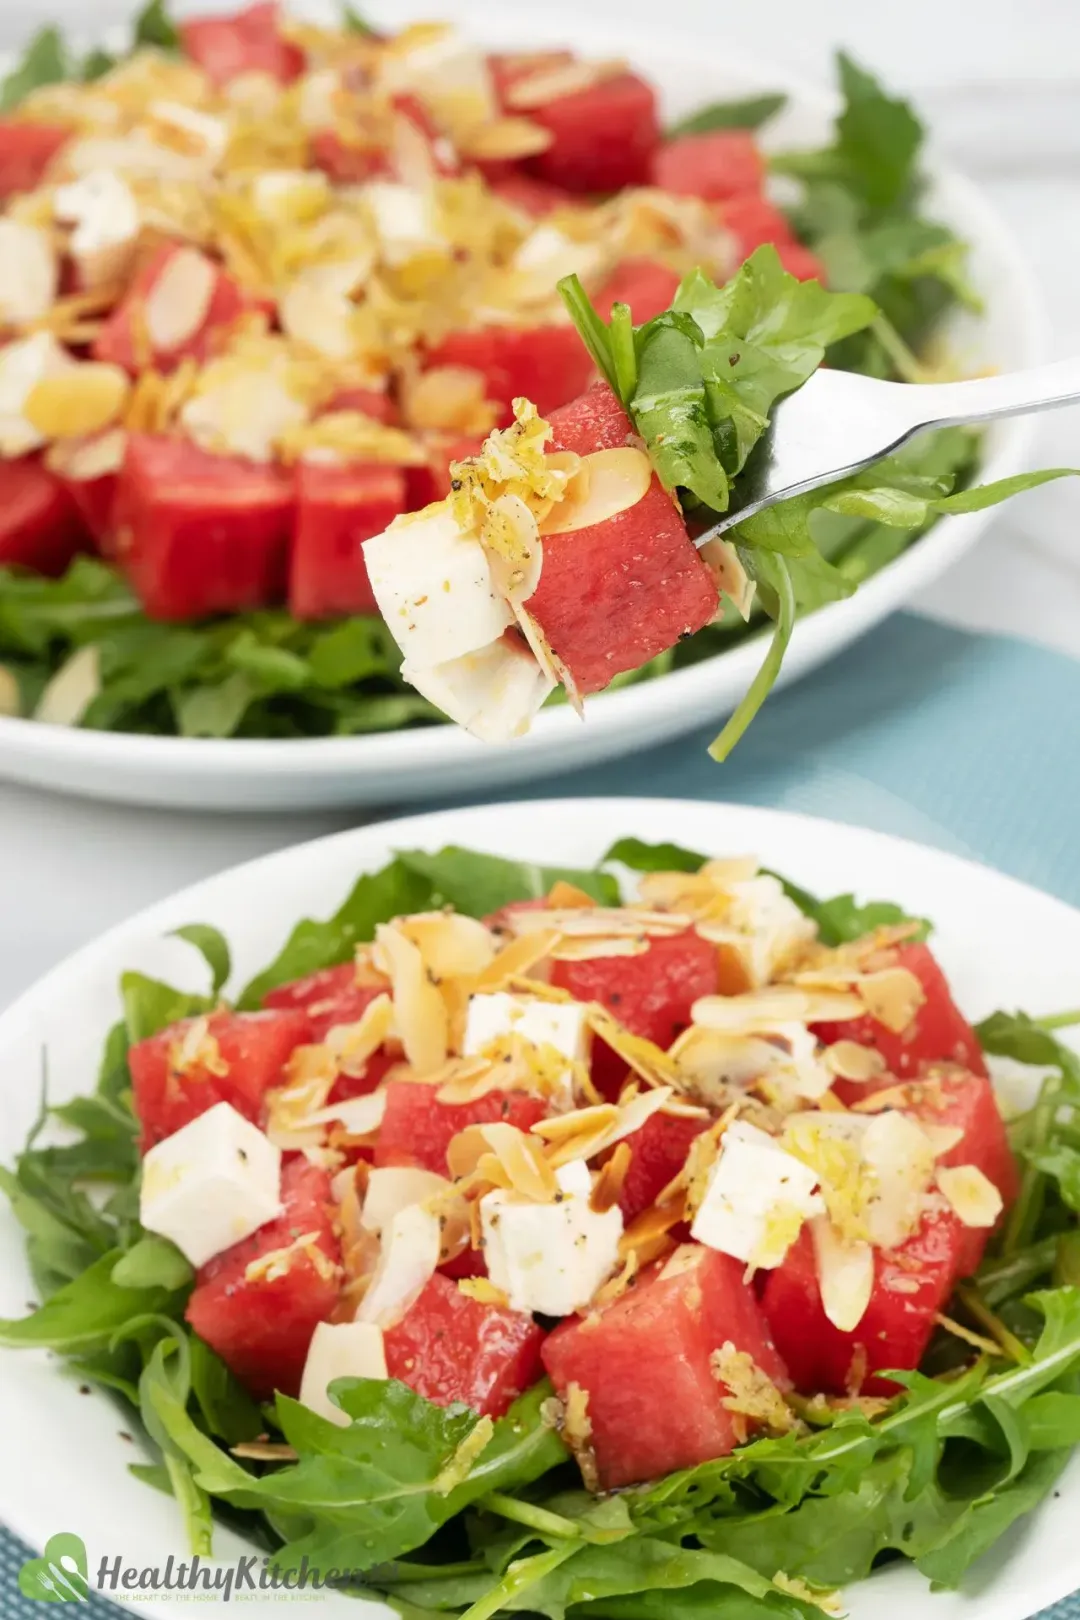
381	769
63	1466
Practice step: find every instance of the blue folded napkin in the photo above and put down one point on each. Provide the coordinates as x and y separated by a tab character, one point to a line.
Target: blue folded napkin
967	742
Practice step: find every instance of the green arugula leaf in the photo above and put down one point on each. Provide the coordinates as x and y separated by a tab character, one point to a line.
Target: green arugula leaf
43	62
168	1370
87	1312
843	918
225	1405
353	22
212	946
642	857
748	113
480	884
154	26
669	410
590	328
879	138
95	64
150	1005
154	1262
375	898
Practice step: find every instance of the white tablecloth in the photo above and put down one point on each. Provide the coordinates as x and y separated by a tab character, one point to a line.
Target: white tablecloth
1001	86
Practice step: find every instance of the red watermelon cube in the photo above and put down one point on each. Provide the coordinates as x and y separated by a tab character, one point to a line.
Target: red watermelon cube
718	164
417	1128
657	1153
650	994
199	533
654	1404
939	1032
645	284
261	1326
40	527
248	42
967	1101
532	196
347	163
123	342
604	137
612	596
26	150
451	1348
911	1285
329	996
337	509
249	1049
547	364
95	501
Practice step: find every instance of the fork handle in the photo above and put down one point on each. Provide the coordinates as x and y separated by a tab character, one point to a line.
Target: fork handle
982	398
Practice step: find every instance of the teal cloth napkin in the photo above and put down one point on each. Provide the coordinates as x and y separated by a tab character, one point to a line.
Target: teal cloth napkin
967	742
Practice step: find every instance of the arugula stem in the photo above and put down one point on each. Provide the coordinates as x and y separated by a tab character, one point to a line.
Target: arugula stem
522	1574
1025	1212
591	329
976	1306
1014	1274
765	679
623	353
533	1517
1059	1020
904	361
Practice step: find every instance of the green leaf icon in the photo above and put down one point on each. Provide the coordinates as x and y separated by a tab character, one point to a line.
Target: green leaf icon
59	1575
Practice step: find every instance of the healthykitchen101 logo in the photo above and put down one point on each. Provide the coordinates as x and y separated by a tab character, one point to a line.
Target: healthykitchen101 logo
62	1575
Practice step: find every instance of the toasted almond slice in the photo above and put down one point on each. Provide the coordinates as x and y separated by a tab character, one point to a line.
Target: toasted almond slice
72	689
451	944
484	1291
845	1273
82	401
564	896
419	1010
942	1138
589	950
177	304
850	1061
579	1123
893	996
970	1194
617	480
609	1183
450	399
604	921
86	459
552	83
10	696
648	1232
724	564
505	139
758	1011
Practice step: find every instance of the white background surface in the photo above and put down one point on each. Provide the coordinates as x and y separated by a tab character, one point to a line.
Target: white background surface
1000	85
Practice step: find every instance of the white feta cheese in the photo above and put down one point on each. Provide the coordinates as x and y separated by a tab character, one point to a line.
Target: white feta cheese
404	220
550	1258
340	1350
23	364
562	1025
211	1184
243	413
756	1199
434	588
102	208
408	1258
494	693
30	273
763	925
394	1188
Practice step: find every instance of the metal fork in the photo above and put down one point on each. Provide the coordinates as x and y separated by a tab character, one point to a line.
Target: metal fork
838	423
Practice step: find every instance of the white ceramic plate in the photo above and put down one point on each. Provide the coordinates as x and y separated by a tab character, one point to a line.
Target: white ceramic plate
332	772
63	1465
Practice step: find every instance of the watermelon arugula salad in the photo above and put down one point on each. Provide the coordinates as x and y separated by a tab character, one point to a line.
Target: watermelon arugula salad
636	1241
267	282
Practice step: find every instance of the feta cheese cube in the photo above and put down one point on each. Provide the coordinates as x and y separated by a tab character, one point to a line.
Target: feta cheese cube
493	693
562	1025
550	1258
23	364
211	1184
756	1199
340	1350
404	220
31	273
434	588
102	208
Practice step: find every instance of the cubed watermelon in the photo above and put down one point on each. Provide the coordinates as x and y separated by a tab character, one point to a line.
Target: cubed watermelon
250	1048
95	501
939	1032
650	994
123	341
717	164
417	1128
532	196
347	163
654	1403
199	533
451	1348
645	284
604	136
26	150
967	1101
753	220
378	403
249	42
329	996
261	1326
40	526
911	1284
547	364
612	596
657	1154
337	508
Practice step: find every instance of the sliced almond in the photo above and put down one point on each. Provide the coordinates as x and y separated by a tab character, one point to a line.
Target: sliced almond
419	1010
10	697
84	400
617	480
83	460
970	1194
177	304
845	1274
850	1061
450	399
72	689
505	138
725	565
893	996
552	83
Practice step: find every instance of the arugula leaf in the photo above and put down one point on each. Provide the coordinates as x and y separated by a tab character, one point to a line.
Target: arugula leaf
374	898
642	857
154	26
354	23
212	946
153	1262
95	64
669	410
224	1404
748	113
591	329
43	62
150	1005
879	138
88	1311
480	884
169	1370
